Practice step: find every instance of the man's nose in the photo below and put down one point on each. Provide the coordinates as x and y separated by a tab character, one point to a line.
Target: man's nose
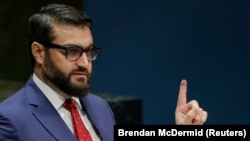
83	60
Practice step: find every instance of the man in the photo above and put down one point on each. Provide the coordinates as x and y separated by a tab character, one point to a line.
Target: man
62	50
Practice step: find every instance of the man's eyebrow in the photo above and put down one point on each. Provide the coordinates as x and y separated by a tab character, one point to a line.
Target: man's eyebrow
75	45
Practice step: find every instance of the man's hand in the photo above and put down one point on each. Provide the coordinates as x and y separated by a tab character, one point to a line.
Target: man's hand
188	113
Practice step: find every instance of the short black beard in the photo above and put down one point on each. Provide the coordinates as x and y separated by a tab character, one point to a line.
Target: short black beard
62	80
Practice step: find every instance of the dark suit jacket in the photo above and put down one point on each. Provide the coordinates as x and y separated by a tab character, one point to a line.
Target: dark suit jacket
28	115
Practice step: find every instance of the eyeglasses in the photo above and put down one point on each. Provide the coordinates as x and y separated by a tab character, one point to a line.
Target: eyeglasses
73	53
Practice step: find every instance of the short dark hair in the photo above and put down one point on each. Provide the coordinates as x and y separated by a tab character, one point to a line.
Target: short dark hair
41	24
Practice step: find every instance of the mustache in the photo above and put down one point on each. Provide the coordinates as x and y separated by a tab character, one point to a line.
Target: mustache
80	70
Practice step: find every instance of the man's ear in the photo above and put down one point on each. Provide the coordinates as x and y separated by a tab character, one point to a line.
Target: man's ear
38	53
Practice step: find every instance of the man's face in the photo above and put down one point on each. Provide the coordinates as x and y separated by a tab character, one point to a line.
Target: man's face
71	77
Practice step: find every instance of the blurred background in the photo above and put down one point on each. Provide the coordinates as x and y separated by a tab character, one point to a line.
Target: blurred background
148	47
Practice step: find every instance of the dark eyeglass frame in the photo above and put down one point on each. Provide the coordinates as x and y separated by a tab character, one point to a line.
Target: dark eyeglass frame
91	52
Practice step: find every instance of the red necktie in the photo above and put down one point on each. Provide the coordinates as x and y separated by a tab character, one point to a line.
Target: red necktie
81	132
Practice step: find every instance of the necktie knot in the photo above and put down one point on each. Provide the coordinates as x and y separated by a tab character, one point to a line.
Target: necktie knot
70	104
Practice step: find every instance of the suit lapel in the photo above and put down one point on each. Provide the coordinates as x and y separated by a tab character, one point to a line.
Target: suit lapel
45	113
93	115
51	120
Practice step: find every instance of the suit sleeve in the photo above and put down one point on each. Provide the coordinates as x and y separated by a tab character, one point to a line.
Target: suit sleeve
7	130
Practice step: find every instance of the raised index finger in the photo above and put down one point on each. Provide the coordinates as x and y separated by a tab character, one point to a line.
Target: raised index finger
182	98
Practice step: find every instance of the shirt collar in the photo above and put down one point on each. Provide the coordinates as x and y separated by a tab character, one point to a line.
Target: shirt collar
55	99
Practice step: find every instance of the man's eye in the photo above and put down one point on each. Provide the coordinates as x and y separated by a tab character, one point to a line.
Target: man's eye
72	50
